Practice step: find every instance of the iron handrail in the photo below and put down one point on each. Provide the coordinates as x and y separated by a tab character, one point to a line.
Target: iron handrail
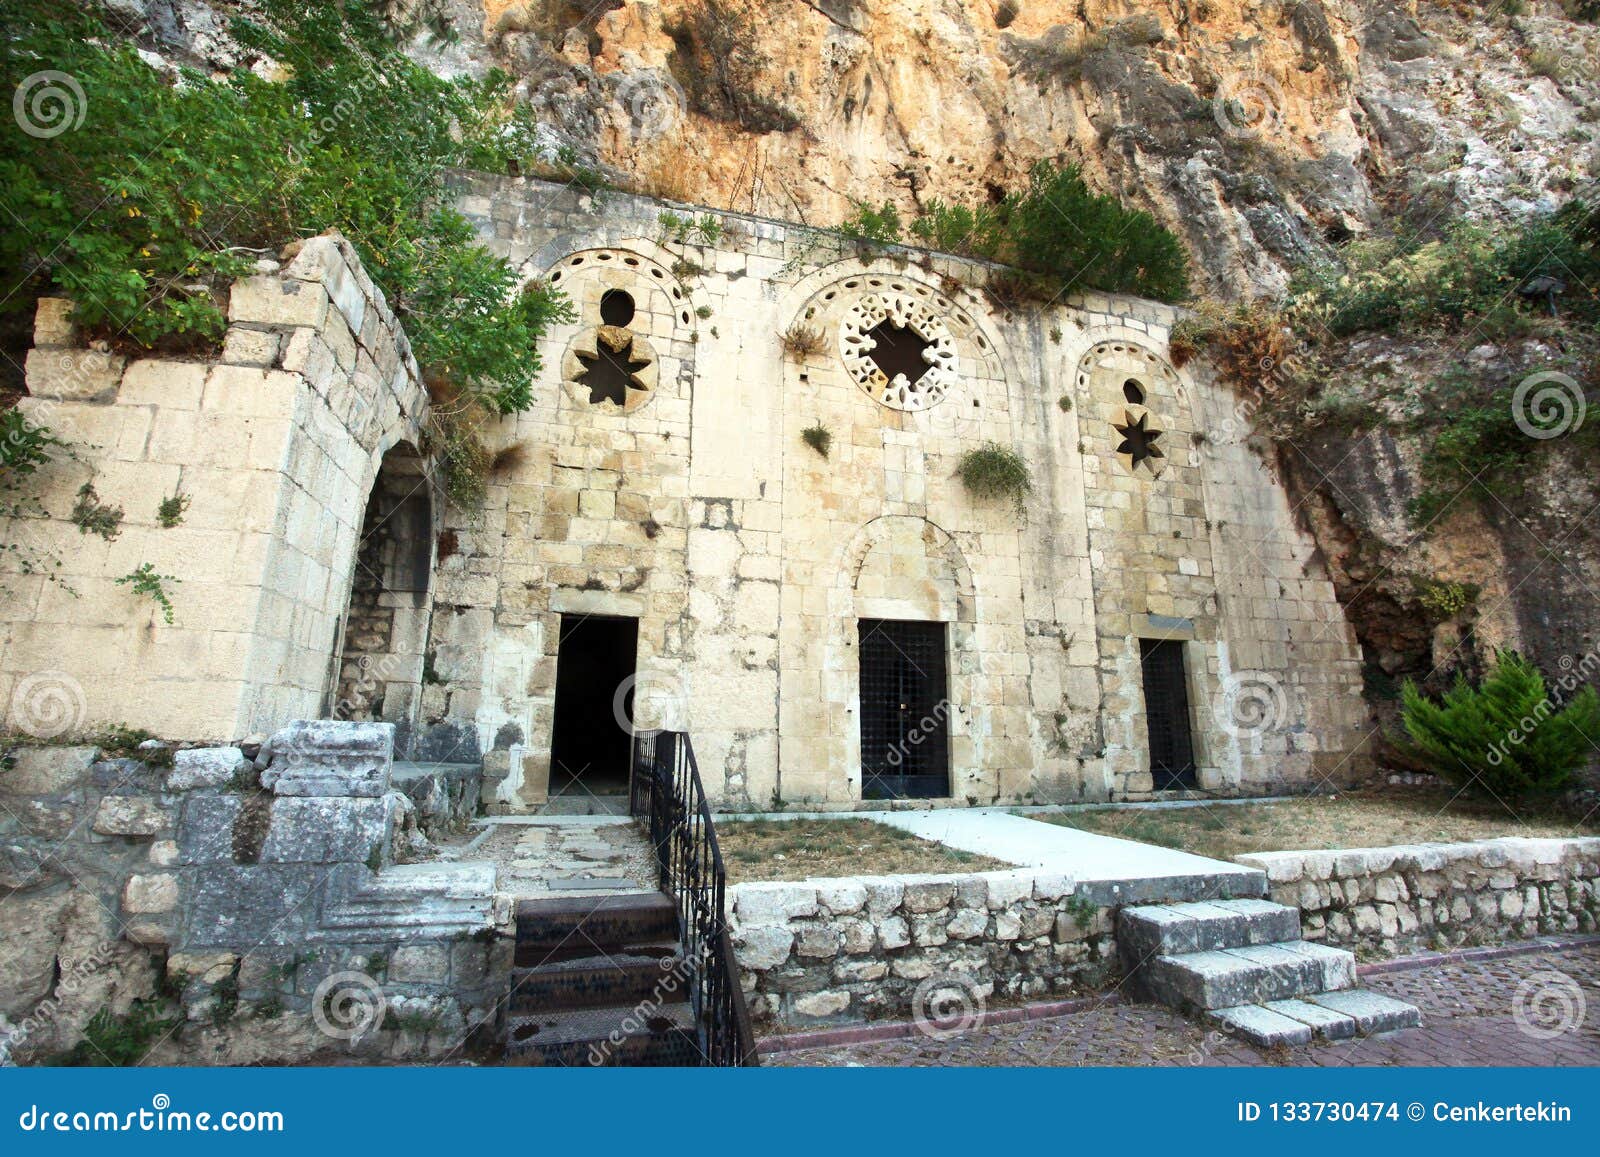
665	791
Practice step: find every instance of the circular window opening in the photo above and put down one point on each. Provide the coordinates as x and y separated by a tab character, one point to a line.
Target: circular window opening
1133	391
616	307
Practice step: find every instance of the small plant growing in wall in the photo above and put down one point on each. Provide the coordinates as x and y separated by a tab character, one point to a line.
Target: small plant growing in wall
1065	402
818	437
145	581
801	340
170	512
702	312
91	516
995	471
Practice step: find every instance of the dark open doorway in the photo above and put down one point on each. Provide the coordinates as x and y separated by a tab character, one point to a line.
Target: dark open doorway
905	711
591	749
1166	713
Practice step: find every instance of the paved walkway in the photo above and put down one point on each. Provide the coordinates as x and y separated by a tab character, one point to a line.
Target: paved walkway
545	855
1469	1017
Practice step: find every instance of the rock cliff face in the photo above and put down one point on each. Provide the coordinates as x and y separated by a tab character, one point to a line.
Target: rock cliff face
1262	131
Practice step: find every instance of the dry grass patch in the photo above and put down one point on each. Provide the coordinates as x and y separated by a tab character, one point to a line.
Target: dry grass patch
1365	819
796	849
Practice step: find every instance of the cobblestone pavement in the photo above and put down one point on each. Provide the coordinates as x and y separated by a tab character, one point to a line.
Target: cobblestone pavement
1468	1008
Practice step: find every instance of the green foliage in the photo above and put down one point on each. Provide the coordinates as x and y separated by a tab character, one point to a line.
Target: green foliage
122	1041
464	461
1444	600
995	471
1062	236
872	225
802	340
1507	738
145	581
1466	281
818	437
24	447
119	741
91	516
705	229
170	511
168	190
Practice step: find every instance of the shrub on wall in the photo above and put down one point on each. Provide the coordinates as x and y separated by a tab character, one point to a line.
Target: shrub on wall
156	190
1506	738
995	471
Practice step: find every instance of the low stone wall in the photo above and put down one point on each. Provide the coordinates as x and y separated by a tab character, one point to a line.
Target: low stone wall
1391	901
261	891
824	951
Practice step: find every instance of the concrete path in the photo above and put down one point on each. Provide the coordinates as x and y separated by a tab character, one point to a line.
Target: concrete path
1122	871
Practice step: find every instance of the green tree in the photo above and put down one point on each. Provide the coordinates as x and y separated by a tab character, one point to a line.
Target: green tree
1506	738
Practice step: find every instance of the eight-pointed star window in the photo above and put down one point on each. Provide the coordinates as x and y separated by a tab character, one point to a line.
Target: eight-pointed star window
613	369
1138	439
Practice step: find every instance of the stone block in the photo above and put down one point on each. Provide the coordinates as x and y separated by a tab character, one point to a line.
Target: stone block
325	830
130	815
819	941
202	767
53	324
47	770
269	300
251	347
842	897
328	757
767	902
821	1004
894	932
74	375
922	896
968	924
763	946
420	964
144	895
272	904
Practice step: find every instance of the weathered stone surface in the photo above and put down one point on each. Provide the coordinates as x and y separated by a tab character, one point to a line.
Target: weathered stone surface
821	1004
130	815
325	830
330	758
150	894
202	767
33	931
47	770
767	902
763	946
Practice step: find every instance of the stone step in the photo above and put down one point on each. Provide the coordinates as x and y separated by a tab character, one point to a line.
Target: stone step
605	1037
1254	974
1327	1016
1175	929
1371	1012
583	922
650	973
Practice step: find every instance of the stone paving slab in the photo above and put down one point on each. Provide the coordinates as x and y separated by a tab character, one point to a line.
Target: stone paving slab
534	859
1469	1017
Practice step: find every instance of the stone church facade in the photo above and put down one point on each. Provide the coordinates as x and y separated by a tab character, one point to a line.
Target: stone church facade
670	539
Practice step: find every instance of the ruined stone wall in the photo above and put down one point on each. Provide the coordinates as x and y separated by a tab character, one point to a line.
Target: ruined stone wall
274	444
257	892
872	947
695	504
1391	901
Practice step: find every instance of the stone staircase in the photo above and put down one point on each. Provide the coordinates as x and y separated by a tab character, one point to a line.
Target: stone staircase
1243	965
600	980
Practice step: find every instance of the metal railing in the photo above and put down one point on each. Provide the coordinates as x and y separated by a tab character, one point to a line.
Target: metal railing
665	791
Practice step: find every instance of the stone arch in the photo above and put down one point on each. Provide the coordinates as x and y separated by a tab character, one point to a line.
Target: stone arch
1139	402
384	631
931	582
631	310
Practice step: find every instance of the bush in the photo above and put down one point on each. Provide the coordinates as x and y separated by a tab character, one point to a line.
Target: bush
169	189
995	471
1507	738
873	224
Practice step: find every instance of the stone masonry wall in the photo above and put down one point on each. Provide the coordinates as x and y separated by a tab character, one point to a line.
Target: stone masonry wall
1391	901
871	947
255	889
274	443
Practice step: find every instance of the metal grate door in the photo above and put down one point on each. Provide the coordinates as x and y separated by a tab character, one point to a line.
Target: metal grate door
1166	712
905	710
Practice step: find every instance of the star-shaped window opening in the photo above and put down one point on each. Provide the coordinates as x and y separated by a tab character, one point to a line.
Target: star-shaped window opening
610	374
1138	440
898	349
